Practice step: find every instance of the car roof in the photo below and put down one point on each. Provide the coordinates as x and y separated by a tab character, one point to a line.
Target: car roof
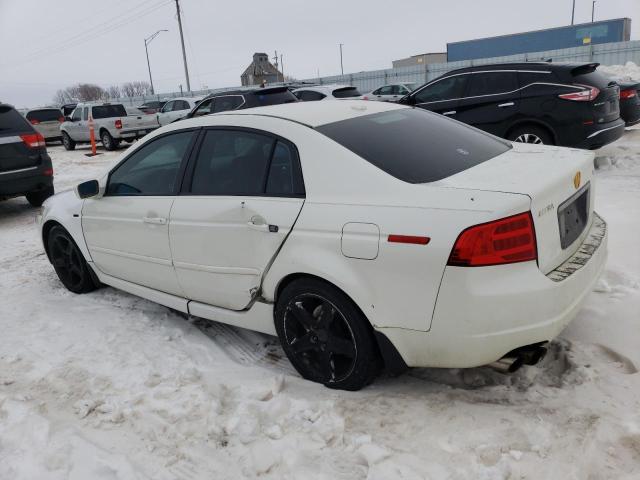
521	66
248	91
315	114
324	87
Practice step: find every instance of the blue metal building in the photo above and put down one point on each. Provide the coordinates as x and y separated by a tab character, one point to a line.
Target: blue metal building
618	30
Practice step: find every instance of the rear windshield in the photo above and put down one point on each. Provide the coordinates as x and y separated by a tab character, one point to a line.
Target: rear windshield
12	122
593	79
48	115
346	92
108	111
274	98
414	145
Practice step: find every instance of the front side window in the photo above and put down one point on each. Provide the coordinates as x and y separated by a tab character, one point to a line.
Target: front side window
238	162
77	114
204	108
387	90
491	83
226	103
181	105
446	89
167	107
152	169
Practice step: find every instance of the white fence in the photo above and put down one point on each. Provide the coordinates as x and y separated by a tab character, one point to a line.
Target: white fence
607	54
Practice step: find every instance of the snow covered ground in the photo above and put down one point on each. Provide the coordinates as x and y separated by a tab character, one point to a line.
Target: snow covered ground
108	386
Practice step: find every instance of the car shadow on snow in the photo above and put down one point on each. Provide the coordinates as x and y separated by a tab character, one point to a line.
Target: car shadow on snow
16	210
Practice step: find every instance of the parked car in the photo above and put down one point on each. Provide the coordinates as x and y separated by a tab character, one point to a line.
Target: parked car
176	109
25	166
46	121
111	125
630	102
67	109
152	107
361	233
570	105
390	93
241	99
326	92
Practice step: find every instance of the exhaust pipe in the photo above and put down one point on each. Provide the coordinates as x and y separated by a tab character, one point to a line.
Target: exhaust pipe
507	364
512	361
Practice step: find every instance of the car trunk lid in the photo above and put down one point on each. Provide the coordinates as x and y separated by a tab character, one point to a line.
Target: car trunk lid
559	182
605	107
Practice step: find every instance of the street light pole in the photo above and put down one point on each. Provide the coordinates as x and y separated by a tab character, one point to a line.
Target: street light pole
147	41
573	11
184	53
593	9
341	67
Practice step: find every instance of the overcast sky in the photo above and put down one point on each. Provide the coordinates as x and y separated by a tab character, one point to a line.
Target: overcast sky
46	45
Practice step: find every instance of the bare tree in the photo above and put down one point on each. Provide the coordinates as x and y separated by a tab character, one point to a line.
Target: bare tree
142	88
128	89
63	96
88	92
113	91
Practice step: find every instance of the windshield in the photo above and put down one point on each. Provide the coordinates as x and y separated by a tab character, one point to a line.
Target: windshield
414	145
346	92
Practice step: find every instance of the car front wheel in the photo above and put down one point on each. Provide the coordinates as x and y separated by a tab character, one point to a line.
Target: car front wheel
68	143
325	336
68	262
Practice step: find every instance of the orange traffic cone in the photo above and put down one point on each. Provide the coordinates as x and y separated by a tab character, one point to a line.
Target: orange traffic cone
92	138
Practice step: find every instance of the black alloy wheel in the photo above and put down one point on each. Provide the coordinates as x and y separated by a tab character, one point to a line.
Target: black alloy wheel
68	262
326	337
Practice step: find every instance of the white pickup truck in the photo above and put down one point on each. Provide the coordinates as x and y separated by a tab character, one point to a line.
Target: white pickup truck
110	122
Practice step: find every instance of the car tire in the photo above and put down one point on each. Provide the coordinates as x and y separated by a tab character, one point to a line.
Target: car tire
36	199
67	142
69	263
107	141
325	335
532	134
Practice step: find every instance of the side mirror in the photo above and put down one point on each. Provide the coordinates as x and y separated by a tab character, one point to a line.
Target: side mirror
88	189
67	118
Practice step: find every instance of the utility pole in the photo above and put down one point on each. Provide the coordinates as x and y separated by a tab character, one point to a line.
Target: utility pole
593	9
184	53
282	67
147	41
573	11
275	61
341	67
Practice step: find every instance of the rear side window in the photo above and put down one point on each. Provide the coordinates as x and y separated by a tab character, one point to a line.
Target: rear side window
309	96
414	145
12	122
527	78
347	92
181	105
49	115
445	89
108	111
237	162
273	98
491	83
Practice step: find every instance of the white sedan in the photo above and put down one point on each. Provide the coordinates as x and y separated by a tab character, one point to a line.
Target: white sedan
365	235
176	108
390	93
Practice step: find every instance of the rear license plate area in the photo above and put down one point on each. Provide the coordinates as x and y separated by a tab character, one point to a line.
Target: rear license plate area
573	216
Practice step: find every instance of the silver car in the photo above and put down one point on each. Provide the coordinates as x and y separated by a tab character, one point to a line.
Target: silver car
390	93
46	121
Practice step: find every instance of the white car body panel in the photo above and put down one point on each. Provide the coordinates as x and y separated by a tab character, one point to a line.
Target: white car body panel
164	117
326	90
379	95
407	292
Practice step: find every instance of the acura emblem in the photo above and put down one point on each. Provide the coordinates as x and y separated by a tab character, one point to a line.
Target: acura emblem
576	180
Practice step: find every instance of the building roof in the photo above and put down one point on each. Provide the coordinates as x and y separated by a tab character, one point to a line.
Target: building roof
260	69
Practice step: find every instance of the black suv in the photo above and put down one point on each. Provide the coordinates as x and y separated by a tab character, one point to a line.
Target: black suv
241	99
25	166
571	105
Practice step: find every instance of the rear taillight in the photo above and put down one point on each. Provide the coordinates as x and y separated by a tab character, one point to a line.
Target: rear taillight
118	124
48	172
61	119
624	94
588	94
33	140
34	121
508	240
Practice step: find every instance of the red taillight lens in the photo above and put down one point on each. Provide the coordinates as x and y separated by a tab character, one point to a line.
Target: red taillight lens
589	93
61	119
118	124
508	240
48	172
624	94
33	140
34	121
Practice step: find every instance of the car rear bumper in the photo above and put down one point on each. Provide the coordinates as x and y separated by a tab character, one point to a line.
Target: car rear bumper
29	179
602	134
483	313
136	133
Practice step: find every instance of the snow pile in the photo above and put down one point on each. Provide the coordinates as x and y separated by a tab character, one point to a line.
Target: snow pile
108	386
626	72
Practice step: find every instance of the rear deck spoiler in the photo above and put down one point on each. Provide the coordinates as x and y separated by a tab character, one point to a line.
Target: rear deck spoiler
584	68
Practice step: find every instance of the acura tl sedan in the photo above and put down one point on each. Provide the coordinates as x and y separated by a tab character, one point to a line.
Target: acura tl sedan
365	235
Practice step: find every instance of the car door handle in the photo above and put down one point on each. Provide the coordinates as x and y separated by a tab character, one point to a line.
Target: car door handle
508	104
155	220
452	112
259	223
